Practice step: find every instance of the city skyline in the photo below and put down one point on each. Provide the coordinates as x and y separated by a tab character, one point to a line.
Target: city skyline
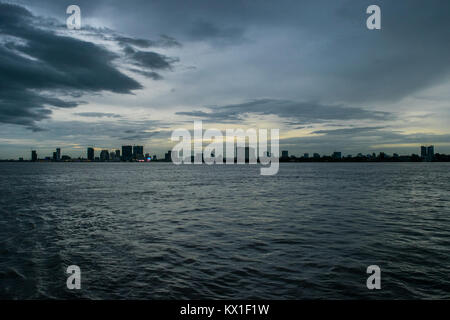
315	72
136	152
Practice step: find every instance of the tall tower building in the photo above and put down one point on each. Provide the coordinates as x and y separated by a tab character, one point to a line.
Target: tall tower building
127	153
168	156
90	154
423	152
104	155
138	152
337	155
430	153
34	155
58	154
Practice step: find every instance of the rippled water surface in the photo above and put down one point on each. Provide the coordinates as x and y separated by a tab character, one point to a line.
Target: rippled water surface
160	231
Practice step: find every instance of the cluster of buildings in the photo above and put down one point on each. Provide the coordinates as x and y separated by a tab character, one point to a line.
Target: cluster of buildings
56	156
285	155
136	153
128	153
426	154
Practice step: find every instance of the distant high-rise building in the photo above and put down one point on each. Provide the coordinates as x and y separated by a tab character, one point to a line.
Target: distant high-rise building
104	155
55	156
337	155
154	157
118	154
34	155
430	153
58	154
168	156
423	152
138	152
427	153
316	156
90	154
284	154
306	155
127	153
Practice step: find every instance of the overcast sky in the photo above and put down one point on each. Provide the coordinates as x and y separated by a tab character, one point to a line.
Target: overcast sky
139	69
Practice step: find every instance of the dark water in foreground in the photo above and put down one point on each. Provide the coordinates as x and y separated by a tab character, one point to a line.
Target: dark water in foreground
160	231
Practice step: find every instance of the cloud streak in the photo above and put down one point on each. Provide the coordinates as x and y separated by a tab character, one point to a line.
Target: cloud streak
97	115
302	112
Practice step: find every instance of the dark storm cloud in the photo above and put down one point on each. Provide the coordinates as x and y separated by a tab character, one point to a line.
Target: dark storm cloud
148	74
301	112
43	61
166	41
206	31
349	63
143	43
35	60
23	107
149	59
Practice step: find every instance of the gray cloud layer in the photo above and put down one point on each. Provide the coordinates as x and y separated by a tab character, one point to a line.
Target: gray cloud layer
301	112
353	64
